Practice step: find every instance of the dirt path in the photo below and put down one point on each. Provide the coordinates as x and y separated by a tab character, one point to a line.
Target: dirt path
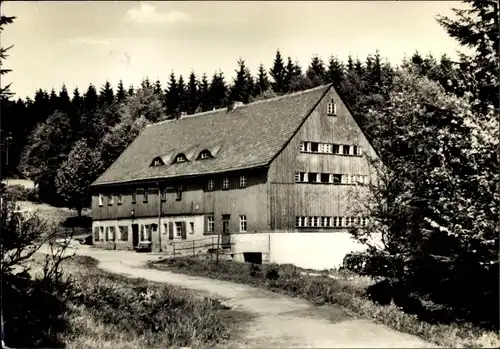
280	321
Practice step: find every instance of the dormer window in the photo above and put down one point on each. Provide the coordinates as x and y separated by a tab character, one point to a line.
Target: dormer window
331	108
157	162
204	154
180	158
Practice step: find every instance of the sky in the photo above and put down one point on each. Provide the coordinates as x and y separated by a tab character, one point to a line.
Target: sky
78	43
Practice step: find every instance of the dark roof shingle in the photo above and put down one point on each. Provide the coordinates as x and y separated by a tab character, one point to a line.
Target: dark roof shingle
247	137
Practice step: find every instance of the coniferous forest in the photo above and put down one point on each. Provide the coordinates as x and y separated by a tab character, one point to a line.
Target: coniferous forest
433	121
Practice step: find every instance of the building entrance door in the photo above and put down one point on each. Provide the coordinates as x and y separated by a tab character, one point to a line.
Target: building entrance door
135	235
226	235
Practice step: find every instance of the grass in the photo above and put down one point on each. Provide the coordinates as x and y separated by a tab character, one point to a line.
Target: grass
346	290
113	311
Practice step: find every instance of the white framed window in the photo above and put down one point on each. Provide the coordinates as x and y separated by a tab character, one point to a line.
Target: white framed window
119	199
157	162
180	158
323	221
302	146
243	181
363	221
346	149
320	148
309	221
210	185
111	233
337	178
204	155
354	150
335	222
336	148
101	199
178	229
313	177
315	221
308	146
180	188
358	150
353	221
110	199
300	221
101	233
123	232
243	223
345	179
331	108
225	183
191	227
328	148
301	177
210	223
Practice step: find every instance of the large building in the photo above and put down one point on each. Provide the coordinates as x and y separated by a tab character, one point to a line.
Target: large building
252	172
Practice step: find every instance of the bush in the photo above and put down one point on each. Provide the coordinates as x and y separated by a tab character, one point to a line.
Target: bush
35	313
33	195
17	193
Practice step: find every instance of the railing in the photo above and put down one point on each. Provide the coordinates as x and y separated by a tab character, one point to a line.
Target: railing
212	243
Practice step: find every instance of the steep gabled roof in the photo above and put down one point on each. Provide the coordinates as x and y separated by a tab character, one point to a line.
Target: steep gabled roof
248	137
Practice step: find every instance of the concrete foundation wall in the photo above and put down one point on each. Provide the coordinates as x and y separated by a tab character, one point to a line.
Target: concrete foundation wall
312	250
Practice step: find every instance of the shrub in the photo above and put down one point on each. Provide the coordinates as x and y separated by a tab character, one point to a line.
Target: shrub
17	192
33	195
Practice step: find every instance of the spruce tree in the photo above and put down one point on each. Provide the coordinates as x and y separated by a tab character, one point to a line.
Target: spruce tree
335	72
106	94
316	72
297	81
64	100
278	73
130	91
350	63
172	97
90	99
262	84
53	101
243	84
205	102
182	93
121	94
218	91
158	89
193	99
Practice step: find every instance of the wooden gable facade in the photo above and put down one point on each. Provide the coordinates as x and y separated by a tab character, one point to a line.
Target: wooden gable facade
289	198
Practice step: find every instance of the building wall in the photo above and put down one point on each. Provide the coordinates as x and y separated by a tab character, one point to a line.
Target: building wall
196	200
166	246
289	199
311	250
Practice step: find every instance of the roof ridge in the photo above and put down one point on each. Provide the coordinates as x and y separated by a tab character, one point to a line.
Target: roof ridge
287	95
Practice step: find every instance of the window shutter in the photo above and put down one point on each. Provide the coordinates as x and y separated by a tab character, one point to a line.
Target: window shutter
96	233
184	230
170	230
114	234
